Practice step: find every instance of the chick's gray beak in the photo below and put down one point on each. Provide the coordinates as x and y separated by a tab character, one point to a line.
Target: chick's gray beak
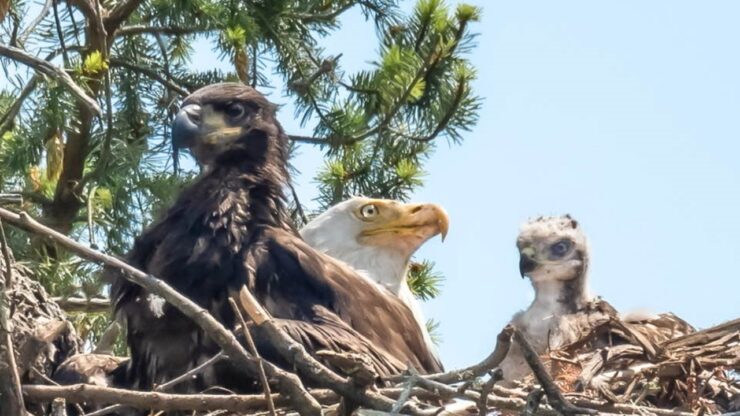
526	264
186	127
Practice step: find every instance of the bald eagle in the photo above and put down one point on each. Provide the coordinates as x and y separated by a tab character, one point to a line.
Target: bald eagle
554	254
230	229
377	238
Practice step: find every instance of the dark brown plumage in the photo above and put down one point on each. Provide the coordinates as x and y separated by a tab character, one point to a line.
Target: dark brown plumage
230	228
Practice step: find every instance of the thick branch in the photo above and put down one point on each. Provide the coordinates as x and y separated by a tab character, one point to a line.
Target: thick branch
119	13
148	400
48	69
288	383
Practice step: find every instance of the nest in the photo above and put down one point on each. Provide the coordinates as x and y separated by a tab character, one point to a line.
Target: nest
661	362
655	366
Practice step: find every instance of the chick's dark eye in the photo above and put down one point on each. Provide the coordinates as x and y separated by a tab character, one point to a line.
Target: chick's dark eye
235	110
560	248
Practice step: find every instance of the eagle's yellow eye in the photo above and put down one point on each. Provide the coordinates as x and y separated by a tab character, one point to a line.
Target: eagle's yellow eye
369	211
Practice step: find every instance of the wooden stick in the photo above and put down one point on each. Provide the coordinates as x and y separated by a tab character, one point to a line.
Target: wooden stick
554	395
503	343
534	399
255	353
288	383
79	304
305	363
79	393
11	402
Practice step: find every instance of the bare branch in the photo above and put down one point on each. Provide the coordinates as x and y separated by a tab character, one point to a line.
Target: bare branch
495	376
503	343
554	395
304	362
164	30
10	382
114	62
79	304
79	393
119	13
534	400
308	139
253	350
51	70
31	26
288	383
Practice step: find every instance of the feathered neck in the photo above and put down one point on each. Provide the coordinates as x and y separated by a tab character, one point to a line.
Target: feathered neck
565	296
262	186
386	267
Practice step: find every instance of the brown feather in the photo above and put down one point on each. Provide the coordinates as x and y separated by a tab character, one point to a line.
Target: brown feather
231	228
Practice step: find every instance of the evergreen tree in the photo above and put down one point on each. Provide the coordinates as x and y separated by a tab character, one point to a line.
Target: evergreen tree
92	87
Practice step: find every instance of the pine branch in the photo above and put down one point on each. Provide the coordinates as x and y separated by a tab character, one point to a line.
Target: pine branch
51	70
445	120
308	139
6	122
121	63
164	30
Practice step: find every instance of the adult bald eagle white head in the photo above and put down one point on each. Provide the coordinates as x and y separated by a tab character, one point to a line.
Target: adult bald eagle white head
554	255
377	238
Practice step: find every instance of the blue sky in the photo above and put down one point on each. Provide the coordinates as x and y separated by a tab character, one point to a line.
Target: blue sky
624	114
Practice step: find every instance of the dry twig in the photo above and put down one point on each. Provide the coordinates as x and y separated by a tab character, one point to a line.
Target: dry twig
305	363
554	395
503	343
10	382
288	383
255	353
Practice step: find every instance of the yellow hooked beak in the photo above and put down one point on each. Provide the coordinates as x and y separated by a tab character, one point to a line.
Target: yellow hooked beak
422	221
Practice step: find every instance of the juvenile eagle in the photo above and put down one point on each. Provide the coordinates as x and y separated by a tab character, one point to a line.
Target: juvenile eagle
377	238
554	254
230	229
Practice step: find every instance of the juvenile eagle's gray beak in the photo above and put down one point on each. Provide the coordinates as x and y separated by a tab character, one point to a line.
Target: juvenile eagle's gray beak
526	264
186	127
